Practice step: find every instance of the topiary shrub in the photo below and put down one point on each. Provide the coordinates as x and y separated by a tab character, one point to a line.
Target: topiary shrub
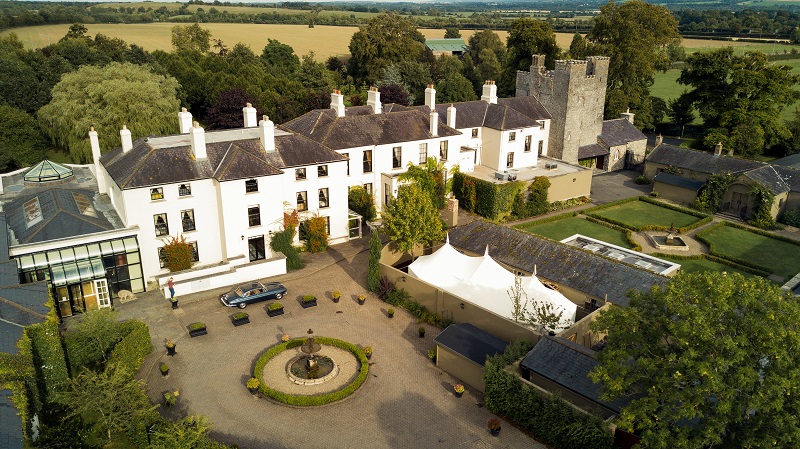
178	254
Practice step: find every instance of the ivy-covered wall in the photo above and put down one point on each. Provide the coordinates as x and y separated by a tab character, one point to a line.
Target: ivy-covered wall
493	201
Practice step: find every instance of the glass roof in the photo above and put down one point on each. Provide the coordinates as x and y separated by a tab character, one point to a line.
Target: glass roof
47	171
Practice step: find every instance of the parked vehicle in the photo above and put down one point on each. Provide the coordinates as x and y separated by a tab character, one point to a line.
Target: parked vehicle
252	293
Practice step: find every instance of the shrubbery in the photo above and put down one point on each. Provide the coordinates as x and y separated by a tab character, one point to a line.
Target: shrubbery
493	201
314	232
282	242
178	254
362	203
533	201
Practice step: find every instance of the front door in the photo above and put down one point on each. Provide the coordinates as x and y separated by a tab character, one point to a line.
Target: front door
739	203
89	295
103	297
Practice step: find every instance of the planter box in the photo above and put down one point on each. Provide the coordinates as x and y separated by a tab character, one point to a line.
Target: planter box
307	304
240	321
275	312
194	332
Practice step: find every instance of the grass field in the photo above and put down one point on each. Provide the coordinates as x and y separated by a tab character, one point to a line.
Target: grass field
561	229
701	265
324	41
640	213
776	256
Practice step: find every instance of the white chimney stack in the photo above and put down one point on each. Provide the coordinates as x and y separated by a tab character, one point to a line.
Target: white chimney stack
267	134
95	144
434	123
374	100
337	102
198	141
249	112
489	92
627	115
430	97
451	116
718	149
125	136
185	120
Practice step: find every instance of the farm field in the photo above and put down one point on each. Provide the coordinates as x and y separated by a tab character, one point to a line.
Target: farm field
776	256
324	41
561	229
640	213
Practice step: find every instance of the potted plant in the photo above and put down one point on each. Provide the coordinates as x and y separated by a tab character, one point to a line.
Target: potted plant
198	328
164	369
275	309
361	299
170	347
459	389
308	301
494	427
421	332
252	384
336	295
368	352
390	313
240	318
174	303
285	338
432	354
169	399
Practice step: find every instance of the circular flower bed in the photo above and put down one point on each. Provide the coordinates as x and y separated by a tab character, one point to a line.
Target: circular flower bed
321	399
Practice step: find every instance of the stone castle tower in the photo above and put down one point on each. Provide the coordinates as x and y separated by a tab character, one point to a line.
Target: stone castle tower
574	93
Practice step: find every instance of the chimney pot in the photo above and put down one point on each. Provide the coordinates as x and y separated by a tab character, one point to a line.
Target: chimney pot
451	116
267	134
489	92
374	100
430	97
718	149
434	123
198	139
337	102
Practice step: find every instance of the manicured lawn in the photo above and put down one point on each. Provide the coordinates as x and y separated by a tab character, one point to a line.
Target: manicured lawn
776	256
640	213
701	265
561	229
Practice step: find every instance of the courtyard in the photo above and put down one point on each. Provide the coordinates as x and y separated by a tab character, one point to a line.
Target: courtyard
406	401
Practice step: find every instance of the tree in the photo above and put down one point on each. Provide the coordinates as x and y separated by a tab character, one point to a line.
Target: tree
455	88
280	55
708	360
315	233
109	97
429	178
635	36
540	315
190	432
579	47
411	219
109	399
91	337
374	270
485	40
488	69
741	97
178	254
452	33
191	38
226	112
681	111
394	93
526	37
361	202
384	40
21	140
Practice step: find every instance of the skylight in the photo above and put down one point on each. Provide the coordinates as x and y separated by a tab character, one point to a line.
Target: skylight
47	171
33	211
84	204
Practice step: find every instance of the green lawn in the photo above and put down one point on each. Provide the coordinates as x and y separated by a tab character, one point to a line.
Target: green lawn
639	213
776	256
561	229
701	265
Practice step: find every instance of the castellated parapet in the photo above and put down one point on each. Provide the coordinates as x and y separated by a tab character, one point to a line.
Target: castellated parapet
574	93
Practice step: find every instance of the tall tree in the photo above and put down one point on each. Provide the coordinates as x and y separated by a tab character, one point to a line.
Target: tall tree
709	360
740	97
21	140
280	55
486	40
109	97
455	88
226	112
681	111
452	33
384	40
579	47
526	37
191	38
411	218
635	35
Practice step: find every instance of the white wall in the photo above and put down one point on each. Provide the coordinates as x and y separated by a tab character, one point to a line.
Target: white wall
337	184
211	278
235	204
496	147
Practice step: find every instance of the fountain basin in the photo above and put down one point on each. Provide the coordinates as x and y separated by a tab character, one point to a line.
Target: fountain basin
300	376
662	242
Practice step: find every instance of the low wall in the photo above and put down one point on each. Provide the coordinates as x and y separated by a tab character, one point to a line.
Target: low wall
462	369
236	271
570	185
582	333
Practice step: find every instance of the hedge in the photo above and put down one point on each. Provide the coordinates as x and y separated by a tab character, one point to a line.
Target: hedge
321	399
737	261
52	375
714	258
548	418
17	374
493	201
133	348
705	218
399	297
547	220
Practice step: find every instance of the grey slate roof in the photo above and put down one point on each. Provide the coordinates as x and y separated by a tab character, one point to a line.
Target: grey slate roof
568	364
790	176
678	181
3	240
527	105
360	130
239	156
10	424
470	342
768	177
792	161
61	217
591	150
700	161
619	132
581	270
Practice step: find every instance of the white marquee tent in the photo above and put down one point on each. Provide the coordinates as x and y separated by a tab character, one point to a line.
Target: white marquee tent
485	283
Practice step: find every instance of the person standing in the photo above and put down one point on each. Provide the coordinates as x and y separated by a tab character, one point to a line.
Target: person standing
171	286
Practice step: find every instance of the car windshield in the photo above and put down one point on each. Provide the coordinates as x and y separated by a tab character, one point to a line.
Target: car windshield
239	292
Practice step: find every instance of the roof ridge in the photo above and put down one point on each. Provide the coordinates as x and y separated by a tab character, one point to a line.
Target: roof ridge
577	348
21	307
228	155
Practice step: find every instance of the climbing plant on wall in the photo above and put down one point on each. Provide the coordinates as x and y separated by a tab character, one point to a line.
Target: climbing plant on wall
713	192
763	198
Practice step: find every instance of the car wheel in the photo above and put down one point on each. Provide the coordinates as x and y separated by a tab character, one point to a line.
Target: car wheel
242	305
279	296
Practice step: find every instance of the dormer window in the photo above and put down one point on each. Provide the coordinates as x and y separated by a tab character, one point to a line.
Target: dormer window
299	174
185	190
33	212
322	171
157	193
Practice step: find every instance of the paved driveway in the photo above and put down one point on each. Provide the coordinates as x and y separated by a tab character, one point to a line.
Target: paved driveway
406	401
613	186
